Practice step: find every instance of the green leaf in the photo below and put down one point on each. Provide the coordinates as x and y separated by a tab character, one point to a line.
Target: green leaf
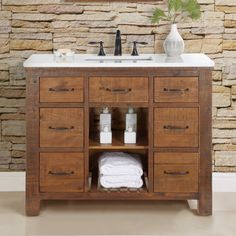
192	8
177	9
158	15
174	5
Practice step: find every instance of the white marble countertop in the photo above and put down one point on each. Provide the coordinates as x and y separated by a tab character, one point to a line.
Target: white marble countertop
144	60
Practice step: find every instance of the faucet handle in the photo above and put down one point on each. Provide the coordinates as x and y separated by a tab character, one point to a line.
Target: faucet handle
135	50
101	50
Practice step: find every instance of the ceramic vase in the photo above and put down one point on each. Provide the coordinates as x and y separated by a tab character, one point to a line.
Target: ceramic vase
174	44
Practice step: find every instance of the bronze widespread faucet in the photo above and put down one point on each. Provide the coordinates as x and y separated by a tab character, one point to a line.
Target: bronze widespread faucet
118	46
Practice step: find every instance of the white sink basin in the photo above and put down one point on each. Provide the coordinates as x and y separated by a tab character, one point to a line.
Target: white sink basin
119	59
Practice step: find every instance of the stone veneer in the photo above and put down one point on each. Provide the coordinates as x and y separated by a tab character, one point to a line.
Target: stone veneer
40	26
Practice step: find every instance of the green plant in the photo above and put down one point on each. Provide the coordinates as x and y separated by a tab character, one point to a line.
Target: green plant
177	10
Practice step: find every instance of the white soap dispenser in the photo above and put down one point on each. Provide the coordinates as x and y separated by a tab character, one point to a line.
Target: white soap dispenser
130	126
105	126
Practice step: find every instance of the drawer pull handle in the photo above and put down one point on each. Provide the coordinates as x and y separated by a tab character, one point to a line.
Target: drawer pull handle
176	172
174	127
175	90
61	173
61	89
61	128
118	90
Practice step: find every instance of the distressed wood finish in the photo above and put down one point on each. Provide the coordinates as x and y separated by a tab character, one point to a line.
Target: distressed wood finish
176	172
118	89
61	127
72	152
117	142
64	89
32	139
61	172
176	158
150	135
176	127
205	179
175	178
86	134
176	89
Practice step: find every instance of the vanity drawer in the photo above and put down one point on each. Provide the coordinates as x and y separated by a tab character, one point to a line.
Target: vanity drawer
176	127
118	89
61	89
61	127
176	172
61	172
176	89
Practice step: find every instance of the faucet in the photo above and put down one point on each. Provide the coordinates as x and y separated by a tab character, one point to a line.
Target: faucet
118	49
135	50
101	49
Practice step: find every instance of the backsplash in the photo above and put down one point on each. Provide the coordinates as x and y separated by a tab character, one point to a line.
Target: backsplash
40	26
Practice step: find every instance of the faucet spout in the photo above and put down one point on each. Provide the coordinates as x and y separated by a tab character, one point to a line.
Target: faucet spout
118	48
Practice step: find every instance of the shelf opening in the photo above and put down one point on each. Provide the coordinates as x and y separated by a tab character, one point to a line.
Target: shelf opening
95	185
118	128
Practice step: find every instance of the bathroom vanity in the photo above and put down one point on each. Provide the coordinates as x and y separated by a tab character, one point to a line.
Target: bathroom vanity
173	102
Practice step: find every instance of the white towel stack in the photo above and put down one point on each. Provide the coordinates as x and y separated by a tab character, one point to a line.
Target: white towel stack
118	169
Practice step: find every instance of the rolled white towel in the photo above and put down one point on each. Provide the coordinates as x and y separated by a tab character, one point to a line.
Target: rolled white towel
125	181
119	163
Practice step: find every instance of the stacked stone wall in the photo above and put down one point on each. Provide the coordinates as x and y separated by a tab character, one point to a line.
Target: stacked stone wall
41	26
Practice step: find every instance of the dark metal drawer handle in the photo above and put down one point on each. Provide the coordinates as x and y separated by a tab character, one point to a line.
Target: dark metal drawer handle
175	90
118	90
174	127
61	89
176	172
61	173
61	128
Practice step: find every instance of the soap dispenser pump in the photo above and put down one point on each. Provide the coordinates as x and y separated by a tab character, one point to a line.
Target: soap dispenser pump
105	126
130	126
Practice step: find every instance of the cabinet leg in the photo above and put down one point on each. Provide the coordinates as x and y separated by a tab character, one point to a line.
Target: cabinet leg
205	207
32	206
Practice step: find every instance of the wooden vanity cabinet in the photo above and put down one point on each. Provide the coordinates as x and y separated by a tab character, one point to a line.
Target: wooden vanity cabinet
175	141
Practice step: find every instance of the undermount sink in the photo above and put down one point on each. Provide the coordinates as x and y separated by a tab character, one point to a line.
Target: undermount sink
119	59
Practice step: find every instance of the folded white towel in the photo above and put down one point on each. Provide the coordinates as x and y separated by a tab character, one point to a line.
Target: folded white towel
120	163
125	181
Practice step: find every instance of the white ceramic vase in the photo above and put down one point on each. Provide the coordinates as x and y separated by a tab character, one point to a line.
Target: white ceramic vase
174	44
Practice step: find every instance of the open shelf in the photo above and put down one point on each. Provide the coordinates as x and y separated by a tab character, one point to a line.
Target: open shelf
96	149
118	127
117	142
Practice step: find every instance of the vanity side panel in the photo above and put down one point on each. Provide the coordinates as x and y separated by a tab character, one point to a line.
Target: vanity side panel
32	143
86	135
205	175
150	135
